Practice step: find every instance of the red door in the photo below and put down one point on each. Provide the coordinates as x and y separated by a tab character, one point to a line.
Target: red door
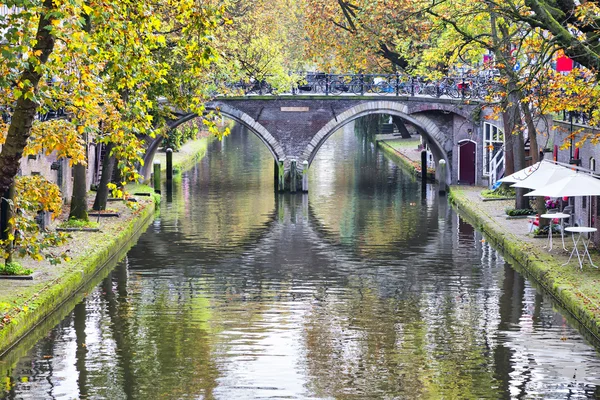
466	163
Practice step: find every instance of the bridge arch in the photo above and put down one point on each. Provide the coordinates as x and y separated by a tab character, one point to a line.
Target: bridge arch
437	139
239	116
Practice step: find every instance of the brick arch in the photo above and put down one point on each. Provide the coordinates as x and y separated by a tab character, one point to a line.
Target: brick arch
437	139
228	111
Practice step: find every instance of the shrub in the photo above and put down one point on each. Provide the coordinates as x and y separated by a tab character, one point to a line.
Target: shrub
513	212
544	230
14	268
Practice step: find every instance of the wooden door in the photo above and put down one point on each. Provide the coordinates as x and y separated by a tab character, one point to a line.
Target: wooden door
466	162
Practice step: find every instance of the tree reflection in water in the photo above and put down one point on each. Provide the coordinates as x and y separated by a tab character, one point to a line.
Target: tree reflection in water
363	288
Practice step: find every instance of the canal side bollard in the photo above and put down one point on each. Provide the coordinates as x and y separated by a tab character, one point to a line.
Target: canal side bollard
276	175
281	176
293	176
423	167
442	176
169	164
156	172
305	176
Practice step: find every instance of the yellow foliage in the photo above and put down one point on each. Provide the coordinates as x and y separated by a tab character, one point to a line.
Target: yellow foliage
60	136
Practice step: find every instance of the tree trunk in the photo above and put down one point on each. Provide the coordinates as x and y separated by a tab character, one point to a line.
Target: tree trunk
108	165
25	109
10	228
79	198
511	118
540	202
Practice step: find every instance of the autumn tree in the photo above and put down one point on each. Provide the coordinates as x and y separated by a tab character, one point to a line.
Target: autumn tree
350	35
263	44
98	63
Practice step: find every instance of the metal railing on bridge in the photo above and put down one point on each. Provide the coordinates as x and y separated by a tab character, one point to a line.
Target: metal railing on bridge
461	87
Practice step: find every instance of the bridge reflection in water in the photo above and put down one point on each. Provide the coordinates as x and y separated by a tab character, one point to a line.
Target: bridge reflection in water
362	288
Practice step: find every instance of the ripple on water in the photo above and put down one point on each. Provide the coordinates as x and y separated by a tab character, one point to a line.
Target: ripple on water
360	289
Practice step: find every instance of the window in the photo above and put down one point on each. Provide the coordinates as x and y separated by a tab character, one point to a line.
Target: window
592	164
493	147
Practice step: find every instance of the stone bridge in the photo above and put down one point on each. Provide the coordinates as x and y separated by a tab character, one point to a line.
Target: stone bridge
294	127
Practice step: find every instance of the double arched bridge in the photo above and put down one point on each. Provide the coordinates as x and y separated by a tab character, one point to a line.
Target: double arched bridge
294	127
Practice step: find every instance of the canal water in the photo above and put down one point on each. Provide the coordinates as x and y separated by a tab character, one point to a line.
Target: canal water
366	288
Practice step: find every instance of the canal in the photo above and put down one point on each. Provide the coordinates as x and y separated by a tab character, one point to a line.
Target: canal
365	288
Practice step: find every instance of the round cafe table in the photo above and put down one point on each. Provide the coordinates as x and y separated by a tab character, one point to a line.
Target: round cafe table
551	217
581	230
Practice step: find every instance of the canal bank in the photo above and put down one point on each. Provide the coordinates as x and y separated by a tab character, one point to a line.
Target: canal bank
186	157
405	153
25	304
578	292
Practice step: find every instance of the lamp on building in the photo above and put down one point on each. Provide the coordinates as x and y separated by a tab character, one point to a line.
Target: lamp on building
470	132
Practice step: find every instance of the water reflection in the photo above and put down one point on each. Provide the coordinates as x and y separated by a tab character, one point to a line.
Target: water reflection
360	289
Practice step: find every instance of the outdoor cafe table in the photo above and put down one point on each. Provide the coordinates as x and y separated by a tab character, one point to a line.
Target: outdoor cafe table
581	230
551	217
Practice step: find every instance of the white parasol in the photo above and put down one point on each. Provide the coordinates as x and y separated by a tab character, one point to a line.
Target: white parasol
575	184
546	174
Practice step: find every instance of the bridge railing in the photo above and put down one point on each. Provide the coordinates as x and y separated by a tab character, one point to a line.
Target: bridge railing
317	83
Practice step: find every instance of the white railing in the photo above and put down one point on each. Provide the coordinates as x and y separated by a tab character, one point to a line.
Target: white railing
496	167
6	10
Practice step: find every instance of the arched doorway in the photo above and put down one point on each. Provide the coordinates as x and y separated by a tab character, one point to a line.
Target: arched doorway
467	156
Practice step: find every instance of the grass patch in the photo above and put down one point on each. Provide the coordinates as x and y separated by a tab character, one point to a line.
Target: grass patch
78	223
502	191
14	268
403	143
132	188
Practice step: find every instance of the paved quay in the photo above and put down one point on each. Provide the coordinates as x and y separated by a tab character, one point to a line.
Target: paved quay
405	152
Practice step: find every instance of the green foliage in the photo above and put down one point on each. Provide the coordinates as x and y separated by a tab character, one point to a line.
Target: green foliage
14	268
177	137
513	212
78	223
544	230
34	194
502	191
